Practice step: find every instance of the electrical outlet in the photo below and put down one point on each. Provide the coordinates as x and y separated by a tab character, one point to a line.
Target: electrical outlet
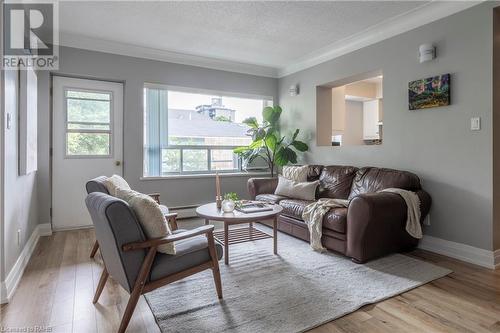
18	237
427	220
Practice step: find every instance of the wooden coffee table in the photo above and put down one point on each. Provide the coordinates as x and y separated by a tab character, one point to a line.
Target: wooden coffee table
243	234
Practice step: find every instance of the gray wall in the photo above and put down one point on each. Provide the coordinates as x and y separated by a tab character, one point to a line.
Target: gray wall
134	72
20	200
454	163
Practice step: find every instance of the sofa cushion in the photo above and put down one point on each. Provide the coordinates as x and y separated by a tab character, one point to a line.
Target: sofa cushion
336	181
150	216
190	252
370	179
294	207
292	189
336	220
114	182
271	198
297	173
313	172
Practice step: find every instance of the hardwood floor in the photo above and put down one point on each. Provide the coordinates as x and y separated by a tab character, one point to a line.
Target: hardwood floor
57	288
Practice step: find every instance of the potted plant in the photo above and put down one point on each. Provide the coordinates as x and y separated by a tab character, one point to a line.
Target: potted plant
268	144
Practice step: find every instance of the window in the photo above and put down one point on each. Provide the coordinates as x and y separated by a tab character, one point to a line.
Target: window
189	132
88	123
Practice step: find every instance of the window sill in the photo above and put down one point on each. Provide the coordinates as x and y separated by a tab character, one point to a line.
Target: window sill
210	175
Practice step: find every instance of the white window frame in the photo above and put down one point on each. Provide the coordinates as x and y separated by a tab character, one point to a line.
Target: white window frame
208	172
66	130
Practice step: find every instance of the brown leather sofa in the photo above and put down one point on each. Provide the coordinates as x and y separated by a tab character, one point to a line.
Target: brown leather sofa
374	223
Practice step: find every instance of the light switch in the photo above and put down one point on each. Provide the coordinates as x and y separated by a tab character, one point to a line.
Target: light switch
9	120
475	123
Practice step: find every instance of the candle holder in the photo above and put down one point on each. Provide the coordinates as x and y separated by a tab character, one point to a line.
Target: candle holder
218	201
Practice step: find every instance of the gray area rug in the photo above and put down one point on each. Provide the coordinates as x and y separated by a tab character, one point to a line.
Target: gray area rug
294	291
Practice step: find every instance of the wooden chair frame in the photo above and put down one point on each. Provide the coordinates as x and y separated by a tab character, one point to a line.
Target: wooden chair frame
171	220
142	287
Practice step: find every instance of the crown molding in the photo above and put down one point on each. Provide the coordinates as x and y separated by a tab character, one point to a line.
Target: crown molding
107	46
424	14
394	26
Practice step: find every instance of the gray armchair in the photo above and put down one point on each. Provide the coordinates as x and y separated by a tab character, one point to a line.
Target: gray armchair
97	185
132	260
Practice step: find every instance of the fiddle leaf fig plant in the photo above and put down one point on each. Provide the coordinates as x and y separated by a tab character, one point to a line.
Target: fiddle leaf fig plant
268	144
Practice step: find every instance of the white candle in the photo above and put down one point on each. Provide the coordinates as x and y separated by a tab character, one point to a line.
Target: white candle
217	184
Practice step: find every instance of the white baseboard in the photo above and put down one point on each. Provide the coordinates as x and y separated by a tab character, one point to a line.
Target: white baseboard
45	229
467	253
8	287
77	227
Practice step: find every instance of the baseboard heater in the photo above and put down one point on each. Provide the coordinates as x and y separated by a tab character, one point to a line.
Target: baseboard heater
184	212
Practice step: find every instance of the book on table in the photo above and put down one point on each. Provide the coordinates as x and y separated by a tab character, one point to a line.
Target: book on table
254	207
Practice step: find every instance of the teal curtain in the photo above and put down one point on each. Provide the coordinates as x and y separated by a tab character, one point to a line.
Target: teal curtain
156	125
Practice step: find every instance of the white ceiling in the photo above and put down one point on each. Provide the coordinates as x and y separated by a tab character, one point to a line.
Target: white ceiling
264	37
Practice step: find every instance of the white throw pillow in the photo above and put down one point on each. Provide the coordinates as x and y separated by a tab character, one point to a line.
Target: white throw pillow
291	189
150	216
296	173
114	182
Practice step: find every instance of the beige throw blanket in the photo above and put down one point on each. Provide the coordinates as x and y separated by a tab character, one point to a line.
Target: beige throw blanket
313	215
413	214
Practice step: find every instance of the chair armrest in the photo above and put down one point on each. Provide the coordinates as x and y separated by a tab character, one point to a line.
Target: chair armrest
172	220
376	226
155	196
171	216
258	186
206	229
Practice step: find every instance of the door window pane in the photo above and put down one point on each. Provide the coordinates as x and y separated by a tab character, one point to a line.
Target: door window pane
88	95
88	123
88	126
223	159
88	111
195	160
87	144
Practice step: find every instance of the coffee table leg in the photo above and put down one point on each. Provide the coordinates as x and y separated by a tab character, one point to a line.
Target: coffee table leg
275	234
207	221
226	244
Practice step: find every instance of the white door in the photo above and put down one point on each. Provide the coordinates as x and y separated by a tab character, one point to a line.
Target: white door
87	141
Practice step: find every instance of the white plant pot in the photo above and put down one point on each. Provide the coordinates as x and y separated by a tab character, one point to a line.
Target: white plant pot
228	206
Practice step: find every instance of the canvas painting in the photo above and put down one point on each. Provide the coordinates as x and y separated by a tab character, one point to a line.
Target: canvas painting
27	122
429	93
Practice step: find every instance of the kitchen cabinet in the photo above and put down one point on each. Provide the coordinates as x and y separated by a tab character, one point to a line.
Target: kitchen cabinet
372	112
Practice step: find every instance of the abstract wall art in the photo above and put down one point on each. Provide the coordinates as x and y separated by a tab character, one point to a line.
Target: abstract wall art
429	93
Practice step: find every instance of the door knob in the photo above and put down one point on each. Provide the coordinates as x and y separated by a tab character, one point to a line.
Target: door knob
118	163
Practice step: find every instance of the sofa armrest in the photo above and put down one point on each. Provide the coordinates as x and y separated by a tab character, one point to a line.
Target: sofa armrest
425	204
376	225
258	186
